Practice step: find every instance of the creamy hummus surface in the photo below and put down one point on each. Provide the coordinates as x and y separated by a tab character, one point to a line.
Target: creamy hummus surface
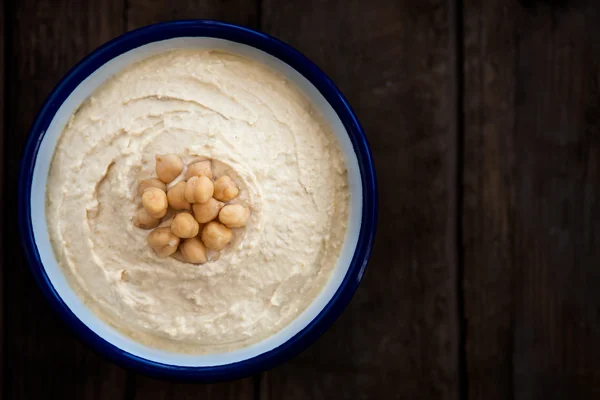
259	129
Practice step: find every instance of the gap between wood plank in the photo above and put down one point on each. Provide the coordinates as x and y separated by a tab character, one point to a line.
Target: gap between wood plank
3	130
454	235
5	32
259	5
257	383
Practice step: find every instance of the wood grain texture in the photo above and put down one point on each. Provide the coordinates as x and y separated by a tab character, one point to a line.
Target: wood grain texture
489	100
144	12
397	338
152	389
531	210
43	40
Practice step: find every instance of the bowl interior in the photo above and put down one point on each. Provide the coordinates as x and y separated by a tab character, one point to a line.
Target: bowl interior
54	271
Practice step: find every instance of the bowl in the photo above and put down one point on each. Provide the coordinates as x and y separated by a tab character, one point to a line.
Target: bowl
95	69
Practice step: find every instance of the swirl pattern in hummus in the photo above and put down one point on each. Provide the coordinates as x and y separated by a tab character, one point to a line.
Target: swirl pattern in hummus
262	132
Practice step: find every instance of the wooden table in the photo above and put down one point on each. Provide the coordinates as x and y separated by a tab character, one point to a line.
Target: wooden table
484	121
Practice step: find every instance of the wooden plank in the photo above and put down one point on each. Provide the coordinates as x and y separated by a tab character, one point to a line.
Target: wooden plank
531	219
44	39
144	12
489	91
397	338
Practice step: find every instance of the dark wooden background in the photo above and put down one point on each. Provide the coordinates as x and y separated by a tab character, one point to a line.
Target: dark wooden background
484	121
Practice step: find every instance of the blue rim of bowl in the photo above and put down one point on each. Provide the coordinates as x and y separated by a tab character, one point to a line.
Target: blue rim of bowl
276	48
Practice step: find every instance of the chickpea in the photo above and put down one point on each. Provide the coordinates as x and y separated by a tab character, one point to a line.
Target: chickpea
168	167
144	220
184	226
155	202
193	251
206	212
199	189
225	189
199	168
234	215
190	187
216	235
176	197
204	189
163	242
151	182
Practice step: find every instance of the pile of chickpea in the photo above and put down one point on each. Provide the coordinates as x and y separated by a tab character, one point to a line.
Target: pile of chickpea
202	220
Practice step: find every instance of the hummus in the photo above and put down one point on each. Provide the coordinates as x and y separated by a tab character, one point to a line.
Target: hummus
259	129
